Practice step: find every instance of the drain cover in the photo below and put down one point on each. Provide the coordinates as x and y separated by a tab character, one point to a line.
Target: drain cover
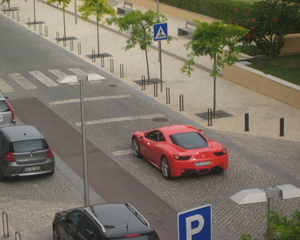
160	119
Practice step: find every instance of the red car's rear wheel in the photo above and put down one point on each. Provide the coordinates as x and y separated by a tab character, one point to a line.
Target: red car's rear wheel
165	168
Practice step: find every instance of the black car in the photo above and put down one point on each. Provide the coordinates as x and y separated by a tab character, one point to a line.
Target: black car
108	221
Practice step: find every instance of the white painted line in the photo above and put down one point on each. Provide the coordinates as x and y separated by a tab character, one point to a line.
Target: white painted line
43	78
122	152
76	100
23	82
77	71
5	87
57	73
121	119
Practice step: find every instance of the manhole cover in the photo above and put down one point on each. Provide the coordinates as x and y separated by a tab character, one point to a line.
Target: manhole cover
160	120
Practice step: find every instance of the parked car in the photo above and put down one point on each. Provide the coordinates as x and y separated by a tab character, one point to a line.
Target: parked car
108	221
179	149
7	114
23	152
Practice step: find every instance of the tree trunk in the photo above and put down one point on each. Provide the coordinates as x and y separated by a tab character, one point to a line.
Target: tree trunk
147	62
215	87
64	19
98	43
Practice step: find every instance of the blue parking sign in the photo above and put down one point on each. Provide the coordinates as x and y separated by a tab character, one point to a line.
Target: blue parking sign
195	224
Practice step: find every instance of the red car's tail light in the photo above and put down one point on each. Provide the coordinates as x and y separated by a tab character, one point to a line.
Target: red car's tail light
49	153
10	157
178	157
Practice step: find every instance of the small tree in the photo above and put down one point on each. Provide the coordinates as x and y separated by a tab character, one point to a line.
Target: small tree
211	39
281	228
64	3
8	3
268	22
98	8
141	29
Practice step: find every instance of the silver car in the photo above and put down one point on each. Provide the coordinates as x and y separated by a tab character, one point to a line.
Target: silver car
7	115
24	152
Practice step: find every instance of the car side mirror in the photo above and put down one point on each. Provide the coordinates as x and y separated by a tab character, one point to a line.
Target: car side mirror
201	131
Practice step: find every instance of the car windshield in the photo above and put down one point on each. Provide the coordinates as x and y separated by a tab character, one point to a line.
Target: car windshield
3	107
188	140
28	145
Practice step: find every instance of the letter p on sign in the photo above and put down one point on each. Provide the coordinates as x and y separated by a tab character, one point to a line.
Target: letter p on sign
195	224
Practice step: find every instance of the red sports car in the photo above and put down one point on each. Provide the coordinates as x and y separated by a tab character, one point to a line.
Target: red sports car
179	149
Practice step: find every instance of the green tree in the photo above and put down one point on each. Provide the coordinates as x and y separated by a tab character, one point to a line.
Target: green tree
268	22
8	3
64	3
281	228
210	39
141	33
98	8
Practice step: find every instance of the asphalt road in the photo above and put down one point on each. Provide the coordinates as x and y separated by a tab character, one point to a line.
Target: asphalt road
115	110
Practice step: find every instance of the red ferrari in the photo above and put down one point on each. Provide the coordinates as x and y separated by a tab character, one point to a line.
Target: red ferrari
179	149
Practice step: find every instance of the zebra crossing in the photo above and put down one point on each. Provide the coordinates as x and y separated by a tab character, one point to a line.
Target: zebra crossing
7	83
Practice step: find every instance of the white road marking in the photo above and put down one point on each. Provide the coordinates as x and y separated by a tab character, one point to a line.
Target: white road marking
43	78
76	100
57	73
121	119
77	71
122	152
5	87
23	82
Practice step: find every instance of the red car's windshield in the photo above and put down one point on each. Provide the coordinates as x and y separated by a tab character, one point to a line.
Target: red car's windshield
189	140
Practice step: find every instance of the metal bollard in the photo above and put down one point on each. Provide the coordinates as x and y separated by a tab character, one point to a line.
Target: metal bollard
93	56
121	71
143	83
281	131
155	89
168	96
17	234
46	31
29	25
5	225
18	16
112	68
71	45
102	60
64	41
79	48
40	29
209	117
246	122
57	37
180	102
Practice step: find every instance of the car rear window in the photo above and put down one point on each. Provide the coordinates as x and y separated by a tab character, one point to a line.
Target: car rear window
188	140
3	107
28	145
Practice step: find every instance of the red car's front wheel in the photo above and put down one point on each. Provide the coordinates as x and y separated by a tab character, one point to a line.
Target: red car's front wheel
165	168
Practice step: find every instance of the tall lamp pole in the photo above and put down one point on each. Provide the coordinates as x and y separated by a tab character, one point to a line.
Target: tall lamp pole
81	79
85	167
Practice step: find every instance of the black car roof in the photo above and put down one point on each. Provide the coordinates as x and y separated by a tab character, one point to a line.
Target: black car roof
119	219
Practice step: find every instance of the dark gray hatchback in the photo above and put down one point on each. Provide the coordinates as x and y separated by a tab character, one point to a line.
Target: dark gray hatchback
108	221
24	152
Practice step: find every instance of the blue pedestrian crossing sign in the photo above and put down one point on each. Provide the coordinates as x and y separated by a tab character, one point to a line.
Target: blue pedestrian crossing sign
160	31
195	224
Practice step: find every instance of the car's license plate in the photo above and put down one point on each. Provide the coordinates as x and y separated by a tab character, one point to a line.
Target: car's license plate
205	163
30	169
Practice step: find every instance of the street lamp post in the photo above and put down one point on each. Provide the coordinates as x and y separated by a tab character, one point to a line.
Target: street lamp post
286	191
81	79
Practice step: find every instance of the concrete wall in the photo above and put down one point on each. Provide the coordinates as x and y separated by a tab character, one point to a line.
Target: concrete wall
263	83
256	80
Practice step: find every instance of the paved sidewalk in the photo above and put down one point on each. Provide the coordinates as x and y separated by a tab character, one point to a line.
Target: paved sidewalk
197	90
